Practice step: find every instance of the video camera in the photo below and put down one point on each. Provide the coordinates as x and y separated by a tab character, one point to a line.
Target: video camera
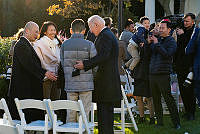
177	20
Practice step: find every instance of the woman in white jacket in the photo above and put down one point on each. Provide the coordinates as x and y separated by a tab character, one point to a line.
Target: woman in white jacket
48	50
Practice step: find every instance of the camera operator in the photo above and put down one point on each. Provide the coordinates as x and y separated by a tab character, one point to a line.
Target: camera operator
183	63
162	51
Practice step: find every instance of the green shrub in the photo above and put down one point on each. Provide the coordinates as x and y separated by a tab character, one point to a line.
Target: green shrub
5	44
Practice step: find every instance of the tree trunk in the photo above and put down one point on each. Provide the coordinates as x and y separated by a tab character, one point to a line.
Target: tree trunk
182	6
165	5
198	20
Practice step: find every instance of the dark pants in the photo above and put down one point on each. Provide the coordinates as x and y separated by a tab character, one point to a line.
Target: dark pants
160	84
105	115
197	90
187	94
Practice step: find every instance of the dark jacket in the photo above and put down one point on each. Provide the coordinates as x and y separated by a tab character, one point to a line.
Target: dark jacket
182	41
107	82
138	36
193	47
162	56
27	70
27	75
141	72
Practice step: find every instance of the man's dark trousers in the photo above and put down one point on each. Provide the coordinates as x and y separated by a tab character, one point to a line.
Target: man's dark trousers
105	115
160	84
187	94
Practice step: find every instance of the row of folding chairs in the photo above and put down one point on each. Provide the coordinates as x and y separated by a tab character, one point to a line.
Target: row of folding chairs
50	121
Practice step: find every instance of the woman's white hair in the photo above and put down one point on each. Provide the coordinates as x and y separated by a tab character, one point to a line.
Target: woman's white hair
96	19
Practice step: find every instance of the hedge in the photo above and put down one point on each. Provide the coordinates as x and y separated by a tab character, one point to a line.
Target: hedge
5	61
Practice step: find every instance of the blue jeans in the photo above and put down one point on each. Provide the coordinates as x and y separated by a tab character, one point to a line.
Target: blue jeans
197	90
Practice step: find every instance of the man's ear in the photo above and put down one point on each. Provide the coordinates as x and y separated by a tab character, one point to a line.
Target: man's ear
169	29
83	32
71	32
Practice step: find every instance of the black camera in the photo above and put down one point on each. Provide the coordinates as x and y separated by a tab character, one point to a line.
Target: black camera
177	20
75	72
150	33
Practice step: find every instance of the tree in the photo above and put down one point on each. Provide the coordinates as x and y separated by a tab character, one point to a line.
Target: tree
17	12
165	5
81	8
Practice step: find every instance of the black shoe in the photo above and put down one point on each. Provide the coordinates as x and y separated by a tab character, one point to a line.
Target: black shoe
185	116
152	121
141	120
159	125
160	122
177	126
190	117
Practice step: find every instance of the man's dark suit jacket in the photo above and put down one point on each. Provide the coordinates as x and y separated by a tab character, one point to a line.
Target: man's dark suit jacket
107	81
27	73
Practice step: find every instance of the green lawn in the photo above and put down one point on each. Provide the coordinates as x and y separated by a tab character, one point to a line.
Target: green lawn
192	127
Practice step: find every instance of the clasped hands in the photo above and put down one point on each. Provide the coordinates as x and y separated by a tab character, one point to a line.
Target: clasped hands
51	76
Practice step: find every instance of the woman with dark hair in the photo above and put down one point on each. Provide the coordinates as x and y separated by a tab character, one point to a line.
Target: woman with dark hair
48	50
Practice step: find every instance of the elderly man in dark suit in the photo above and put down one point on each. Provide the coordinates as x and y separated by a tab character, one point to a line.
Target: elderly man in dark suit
27	73
107	90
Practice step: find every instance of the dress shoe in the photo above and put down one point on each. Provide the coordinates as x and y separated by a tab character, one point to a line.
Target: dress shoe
177	126
159	125
190	117
152	121
185	116
141	120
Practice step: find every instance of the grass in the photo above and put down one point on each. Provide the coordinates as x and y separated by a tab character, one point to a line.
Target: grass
192	127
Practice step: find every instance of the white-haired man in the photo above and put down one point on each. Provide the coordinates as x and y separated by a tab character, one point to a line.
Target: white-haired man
27	73
107	90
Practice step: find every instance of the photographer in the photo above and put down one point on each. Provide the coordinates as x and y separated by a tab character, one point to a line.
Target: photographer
162	50
78	84
183	63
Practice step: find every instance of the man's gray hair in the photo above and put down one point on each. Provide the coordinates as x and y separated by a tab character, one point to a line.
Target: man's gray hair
96	19
29	25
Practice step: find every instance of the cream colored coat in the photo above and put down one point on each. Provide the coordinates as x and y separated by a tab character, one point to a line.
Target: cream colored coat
49	53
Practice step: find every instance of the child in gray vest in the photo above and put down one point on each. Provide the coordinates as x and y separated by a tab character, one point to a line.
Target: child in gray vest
78	83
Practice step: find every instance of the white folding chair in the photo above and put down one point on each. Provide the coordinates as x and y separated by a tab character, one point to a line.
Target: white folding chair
7	119
75	127
125	107
8	129
7	125
39	125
